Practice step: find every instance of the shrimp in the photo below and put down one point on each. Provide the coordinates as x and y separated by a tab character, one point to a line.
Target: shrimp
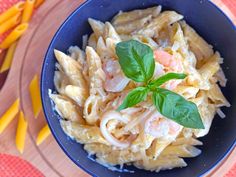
171	64
161	127
115	79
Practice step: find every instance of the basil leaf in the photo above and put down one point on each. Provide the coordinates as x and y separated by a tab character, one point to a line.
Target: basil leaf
176	108
161	80
136	60
134	97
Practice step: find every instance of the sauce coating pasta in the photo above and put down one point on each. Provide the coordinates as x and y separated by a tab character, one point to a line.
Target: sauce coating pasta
94	85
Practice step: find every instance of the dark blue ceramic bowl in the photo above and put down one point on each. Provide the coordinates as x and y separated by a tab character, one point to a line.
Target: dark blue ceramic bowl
208	21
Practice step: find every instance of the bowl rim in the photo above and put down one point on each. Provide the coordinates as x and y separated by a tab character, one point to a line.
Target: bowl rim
209	170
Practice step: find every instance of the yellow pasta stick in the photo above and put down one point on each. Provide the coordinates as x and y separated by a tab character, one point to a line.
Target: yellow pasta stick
28	10
35	96
8	58
38	3
10	23
14	35
9	115
43	134
12	11
21	133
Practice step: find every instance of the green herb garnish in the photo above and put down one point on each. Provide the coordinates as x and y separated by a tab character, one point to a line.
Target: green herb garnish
137	62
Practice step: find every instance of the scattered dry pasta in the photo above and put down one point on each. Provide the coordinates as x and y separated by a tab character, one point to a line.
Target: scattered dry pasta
14	35
8	58
21	133
10	23
9	115
12	11
28	10
91	85
43	134
35	96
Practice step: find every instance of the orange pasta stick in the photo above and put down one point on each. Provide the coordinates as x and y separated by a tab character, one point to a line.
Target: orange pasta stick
35	96
9	115
14	35
21	133
10	23
28	10
8	58
38	3
43	134
12	11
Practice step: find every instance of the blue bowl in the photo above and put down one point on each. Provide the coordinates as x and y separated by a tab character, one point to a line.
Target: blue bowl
208	21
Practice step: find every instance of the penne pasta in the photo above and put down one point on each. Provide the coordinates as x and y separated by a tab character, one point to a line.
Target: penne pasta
198	45
133	25
12	11
83	133
35	96
8	58
21	133
97	27
43	134
28	10
10	23
154	27
79	95
9	115
14	35
71	68
66	108
38	3
127	17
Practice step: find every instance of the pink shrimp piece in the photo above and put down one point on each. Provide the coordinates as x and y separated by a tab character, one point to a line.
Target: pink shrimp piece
163	57
160	127
172	64
115	79
168	60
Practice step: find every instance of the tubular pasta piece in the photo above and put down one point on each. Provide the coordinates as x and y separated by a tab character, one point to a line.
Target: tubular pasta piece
43	134
79	95
71	68
8	58
9	115
83	133
217	96
14	35
92	41
96	74
178	38
21	133
10	23
126	17
28	10
35	96
110	32
60	81
127	28
181	151
164	19
162	163
197	44
187	141
97	27
66	109
91	109
12	11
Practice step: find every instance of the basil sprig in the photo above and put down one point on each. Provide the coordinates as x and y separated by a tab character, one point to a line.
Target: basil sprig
137	62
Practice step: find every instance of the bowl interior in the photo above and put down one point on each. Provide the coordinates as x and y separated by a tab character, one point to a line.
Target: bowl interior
208	21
